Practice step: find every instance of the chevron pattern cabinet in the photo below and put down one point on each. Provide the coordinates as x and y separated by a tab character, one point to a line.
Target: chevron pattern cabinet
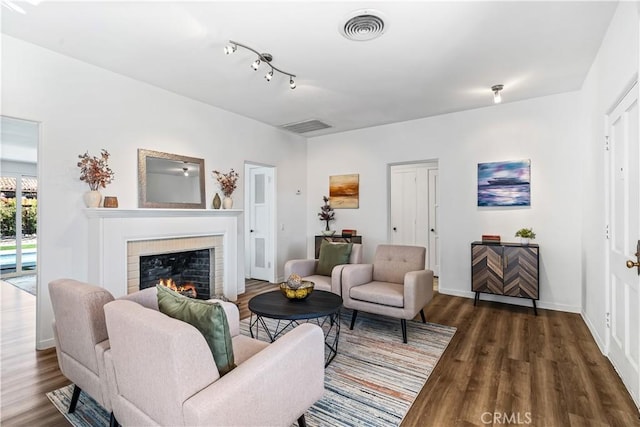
507	269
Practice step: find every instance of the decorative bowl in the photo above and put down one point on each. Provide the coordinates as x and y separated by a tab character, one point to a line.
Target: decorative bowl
305	289
328	232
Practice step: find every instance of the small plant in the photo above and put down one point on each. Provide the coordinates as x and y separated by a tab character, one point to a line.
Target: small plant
526	233
326	212
228	181
94	170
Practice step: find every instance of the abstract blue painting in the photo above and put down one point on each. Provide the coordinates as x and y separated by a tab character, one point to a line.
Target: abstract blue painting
504	183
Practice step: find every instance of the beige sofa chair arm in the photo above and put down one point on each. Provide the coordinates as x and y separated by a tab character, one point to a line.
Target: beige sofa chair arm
273	388
355	275
301	267
418	289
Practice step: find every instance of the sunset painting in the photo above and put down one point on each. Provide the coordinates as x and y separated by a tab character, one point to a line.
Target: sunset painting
344	191
504	183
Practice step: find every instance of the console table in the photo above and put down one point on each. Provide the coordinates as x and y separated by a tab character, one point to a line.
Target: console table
336	238
509	269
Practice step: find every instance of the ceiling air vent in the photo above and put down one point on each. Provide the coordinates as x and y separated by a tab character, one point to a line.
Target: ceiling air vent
363	25
306	126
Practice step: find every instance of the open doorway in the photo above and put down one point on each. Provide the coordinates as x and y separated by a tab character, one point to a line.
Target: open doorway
19	202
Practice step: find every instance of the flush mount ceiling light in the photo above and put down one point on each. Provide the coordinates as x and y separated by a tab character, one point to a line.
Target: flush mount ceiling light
263	58
363	25
497	99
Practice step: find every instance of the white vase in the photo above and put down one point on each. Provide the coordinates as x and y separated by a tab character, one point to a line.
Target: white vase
227	203
524	240
92	199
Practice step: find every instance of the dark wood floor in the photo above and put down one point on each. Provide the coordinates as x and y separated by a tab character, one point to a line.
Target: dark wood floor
502	360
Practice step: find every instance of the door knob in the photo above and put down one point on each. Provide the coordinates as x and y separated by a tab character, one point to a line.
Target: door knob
636	264
433	231
250	231
395	229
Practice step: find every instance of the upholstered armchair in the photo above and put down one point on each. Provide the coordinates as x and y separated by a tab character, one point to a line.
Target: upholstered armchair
81	337
308	269
395	285
161	372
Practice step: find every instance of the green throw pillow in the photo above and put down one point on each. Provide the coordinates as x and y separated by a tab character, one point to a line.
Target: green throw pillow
207	317
332	254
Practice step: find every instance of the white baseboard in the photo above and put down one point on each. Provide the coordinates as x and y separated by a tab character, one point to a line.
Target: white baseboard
512	300
594	333
45	344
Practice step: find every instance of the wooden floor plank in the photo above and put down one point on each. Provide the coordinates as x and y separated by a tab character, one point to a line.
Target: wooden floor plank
502	361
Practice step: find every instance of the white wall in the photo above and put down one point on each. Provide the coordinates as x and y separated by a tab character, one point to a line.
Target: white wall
611	74
82	107
544	130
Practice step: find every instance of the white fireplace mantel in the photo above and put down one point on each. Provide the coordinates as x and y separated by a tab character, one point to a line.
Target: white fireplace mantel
111	229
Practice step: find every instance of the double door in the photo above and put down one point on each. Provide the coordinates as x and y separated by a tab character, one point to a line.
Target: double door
505	269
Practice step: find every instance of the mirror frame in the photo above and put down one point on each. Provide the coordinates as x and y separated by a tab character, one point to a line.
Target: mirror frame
143	154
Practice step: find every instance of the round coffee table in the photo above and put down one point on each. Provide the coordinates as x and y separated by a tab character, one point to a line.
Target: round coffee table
321	308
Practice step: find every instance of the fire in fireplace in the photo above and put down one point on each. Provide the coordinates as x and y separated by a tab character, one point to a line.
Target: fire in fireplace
187	272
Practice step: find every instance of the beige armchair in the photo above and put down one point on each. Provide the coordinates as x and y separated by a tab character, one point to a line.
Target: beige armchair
306	268
81	338
161	372
395	285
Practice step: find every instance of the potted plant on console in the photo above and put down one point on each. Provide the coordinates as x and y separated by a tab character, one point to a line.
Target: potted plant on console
95	171
326	214
525	234
228	183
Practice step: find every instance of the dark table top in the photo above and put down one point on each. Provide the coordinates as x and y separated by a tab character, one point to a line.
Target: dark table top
276	306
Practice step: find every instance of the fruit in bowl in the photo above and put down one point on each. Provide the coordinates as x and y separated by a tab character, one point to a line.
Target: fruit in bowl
298	293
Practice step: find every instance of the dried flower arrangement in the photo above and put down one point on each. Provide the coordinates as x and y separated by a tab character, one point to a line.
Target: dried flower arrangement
326	212
94	170
228	181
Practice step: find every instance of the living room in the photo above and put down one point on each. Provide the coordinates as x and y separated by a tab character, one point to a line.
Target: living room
84	106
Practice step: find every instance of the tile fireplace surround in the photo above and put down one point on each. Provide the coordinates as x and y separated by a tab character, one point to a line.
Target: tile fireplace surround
113	232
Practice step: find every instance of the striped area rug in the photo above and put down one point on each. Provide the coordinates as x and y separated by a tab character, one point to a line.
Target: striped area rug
372	381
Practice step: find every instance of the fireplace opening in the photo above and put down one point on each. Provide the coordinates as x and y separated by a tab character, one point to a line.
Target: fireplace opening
188	272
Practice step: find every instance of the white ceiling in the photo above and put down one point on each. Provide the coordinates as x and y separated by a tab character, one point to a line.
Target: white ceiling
434	57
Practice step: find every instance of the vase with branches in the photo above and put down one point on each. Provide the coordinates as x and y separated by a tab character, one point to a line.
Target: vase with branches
228	182
326	212
95	171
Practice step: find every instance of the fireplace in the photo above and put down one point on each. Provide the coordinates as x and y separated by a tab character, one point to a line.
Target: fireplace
188	272
196	261
118	237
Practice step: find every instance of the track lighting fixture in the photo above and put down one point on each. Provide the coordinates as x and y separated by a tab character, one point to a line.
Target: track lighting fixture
262	57
497	99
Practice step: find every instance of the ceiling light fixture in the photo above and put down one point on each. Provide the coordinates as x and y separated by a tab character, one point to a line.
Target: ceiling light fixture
262	57
497	99
184	170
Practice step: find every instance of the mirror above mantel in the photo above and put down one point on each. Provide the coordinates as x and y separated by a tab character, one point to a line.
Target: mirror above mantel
170	181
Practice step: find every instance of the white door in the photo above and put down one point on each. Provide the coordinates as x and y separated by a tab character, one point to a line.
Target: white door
623	160
260	223
413	208
434	242
403	206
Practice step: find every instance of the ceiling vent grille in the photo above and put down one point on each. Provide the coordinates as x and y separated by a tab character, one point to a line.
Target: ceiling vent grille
363	25
306	126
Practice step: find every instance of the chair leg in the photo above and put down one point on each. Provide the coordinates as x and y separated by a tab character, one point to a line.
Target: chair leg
353	318
74	398
112	421
403	323
301	421
422	315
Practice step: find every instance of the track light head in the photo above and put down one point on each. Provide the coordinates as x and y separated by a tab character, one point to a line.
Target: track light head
229	49
269	75
255	65
497	98
292	84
